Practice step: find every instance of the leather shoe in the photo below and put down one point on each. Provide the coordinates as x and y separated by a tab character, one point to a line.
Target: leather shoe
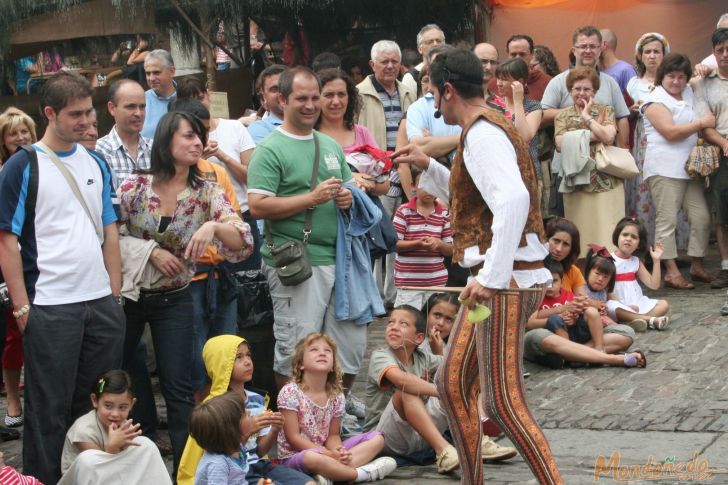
721	281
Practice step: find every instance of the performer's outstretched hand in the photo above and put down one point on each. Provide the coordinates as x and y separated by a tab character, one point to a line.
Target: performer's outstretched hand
413	155
475	293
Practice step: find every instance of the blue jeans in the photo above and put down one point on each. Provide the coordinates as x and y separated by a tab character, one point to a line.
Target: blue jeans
67	347
223	321
170	319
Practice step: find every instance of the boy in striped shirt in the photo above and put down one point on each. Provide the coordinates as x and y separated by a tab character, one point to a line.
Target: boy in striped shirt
425	237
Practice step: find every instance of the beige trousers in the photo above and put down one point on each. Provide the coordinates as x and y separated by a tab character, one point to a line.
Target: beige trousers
669	195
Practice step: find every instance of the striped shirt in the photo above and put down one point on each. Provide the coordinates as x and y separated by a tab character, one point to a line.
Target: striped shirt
392	115
119	158
421	267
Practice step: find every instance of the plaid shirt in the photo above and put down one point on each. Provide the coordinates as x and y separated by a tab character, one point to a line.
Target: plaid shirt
119	158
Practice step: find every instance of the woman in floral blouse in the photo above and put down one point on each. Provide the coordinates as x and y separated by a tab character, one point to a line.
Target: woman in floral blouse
597	207
171	204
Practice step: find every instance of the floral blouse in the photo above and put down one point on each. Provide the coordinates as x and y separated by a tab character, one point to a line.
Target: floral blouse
570	120
313	420
140	211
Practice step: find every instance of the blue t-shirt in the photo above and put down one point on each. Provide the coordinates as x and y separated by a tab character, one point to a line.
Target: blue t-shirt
421	114
60	247
262	128
622	72
217	469
156	108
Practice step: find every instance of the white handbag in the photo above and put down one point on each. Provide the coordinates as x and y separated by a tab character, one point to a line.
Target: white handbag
615	161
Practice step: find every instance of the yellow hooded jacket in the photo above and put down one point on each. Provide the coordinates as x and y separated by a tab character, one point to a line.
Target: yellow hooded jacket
219	357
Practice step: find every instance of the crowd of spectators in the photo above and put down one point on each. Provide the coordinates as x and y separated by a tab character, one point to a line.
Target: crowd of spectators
152	224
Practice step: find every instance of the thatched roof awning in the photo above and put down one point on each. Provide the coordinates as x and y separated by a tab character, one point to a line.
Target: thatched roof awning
95	18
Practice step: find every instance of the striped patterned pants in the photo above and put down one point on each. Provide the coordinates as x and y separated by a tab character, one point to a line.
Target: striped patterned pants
487	359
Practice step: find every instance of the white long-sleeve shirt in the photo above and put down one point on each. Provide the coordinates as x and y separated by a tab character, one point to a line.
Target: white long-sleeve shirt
491	162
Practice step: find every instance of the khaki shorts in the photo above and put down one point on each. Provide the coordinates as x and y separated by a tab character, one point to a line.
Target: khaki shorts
399	436
309	307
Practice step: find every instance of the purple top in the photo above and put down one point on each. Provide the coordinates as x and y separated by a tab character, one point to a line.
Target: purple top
622	72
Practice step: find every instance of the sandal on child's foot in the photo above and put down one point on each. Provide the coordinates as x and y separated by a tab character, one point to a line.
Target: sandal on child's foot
636	358
659	323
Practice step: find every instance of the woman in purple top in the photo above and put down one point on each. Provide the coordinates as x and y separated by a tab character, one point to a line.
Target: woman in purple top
340	105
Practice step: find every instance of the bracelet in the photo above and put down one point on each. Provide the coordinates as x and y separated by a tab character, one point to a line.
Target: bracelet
589	122
22	312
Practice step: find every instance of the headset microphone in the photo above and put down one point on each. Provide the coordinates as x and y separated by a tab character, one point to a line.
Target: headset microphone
438	113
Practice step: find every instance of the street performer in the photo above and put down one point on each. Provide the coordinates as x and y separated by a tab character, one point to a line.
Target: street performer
498	233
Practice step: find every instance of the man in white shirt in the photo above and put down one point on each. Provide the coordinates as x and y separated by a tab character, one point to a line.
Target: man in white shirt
498	234
124	147
61	261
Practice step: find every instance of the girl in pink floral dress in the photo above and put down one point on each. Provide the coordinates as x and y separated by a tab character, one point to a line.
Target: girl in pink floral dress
312	405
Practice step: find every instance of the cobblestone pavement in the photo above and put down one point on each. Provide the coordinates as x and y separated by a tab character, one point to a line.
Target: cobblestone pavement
668	412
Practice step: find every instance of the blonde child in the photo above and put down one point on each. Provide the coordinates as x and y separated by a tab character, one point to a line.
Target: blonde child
630	237
230	367
104	446
312	406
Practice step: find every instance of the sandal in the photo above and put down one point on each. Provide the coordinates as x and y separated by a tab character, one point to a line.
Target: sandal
679	283
659	323
13	421
631	360
703	277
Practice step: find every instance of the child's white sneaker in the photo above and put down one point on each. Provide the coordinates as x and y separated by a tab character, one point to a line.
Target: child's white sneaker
322	480
379	468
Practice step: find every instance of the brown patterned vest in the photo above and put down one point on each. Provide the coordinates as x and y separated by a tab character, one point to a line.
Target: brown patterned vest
471	217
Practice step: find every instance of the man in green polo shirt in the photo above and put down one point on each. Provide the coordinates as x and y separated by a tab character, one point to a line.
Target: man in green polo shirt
279	191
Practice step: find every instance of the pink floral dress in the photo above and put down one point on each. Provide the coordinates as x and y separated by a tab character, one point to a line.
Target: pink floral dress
140	211
313	420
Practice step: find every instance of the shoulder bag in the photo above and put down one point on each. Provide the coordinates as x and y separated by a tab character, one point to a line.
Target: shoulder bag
703	160
290	258
615	161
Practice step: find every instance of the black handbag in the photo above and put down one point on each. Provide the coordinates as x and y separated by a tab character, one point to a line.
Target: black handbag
290	259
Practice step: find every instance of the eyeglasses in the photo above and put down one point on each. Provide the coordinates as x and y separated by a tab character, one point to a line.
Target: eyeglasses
491	62
584	47
582	90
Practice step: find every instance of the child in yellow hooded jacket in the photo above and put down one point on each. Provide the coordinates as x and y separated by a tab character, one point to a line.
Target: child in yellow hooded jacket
228	363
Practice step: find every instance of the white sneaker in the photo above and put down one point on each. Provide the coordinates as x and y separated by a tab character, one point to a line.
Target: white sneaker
355	406
322	480
379	468
492	451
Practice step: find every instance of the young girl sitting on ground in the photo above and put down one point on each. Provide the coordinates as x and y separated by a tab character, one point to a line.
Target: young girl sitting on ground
221	426
601	276
312	406
441	310
630	237
104	446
